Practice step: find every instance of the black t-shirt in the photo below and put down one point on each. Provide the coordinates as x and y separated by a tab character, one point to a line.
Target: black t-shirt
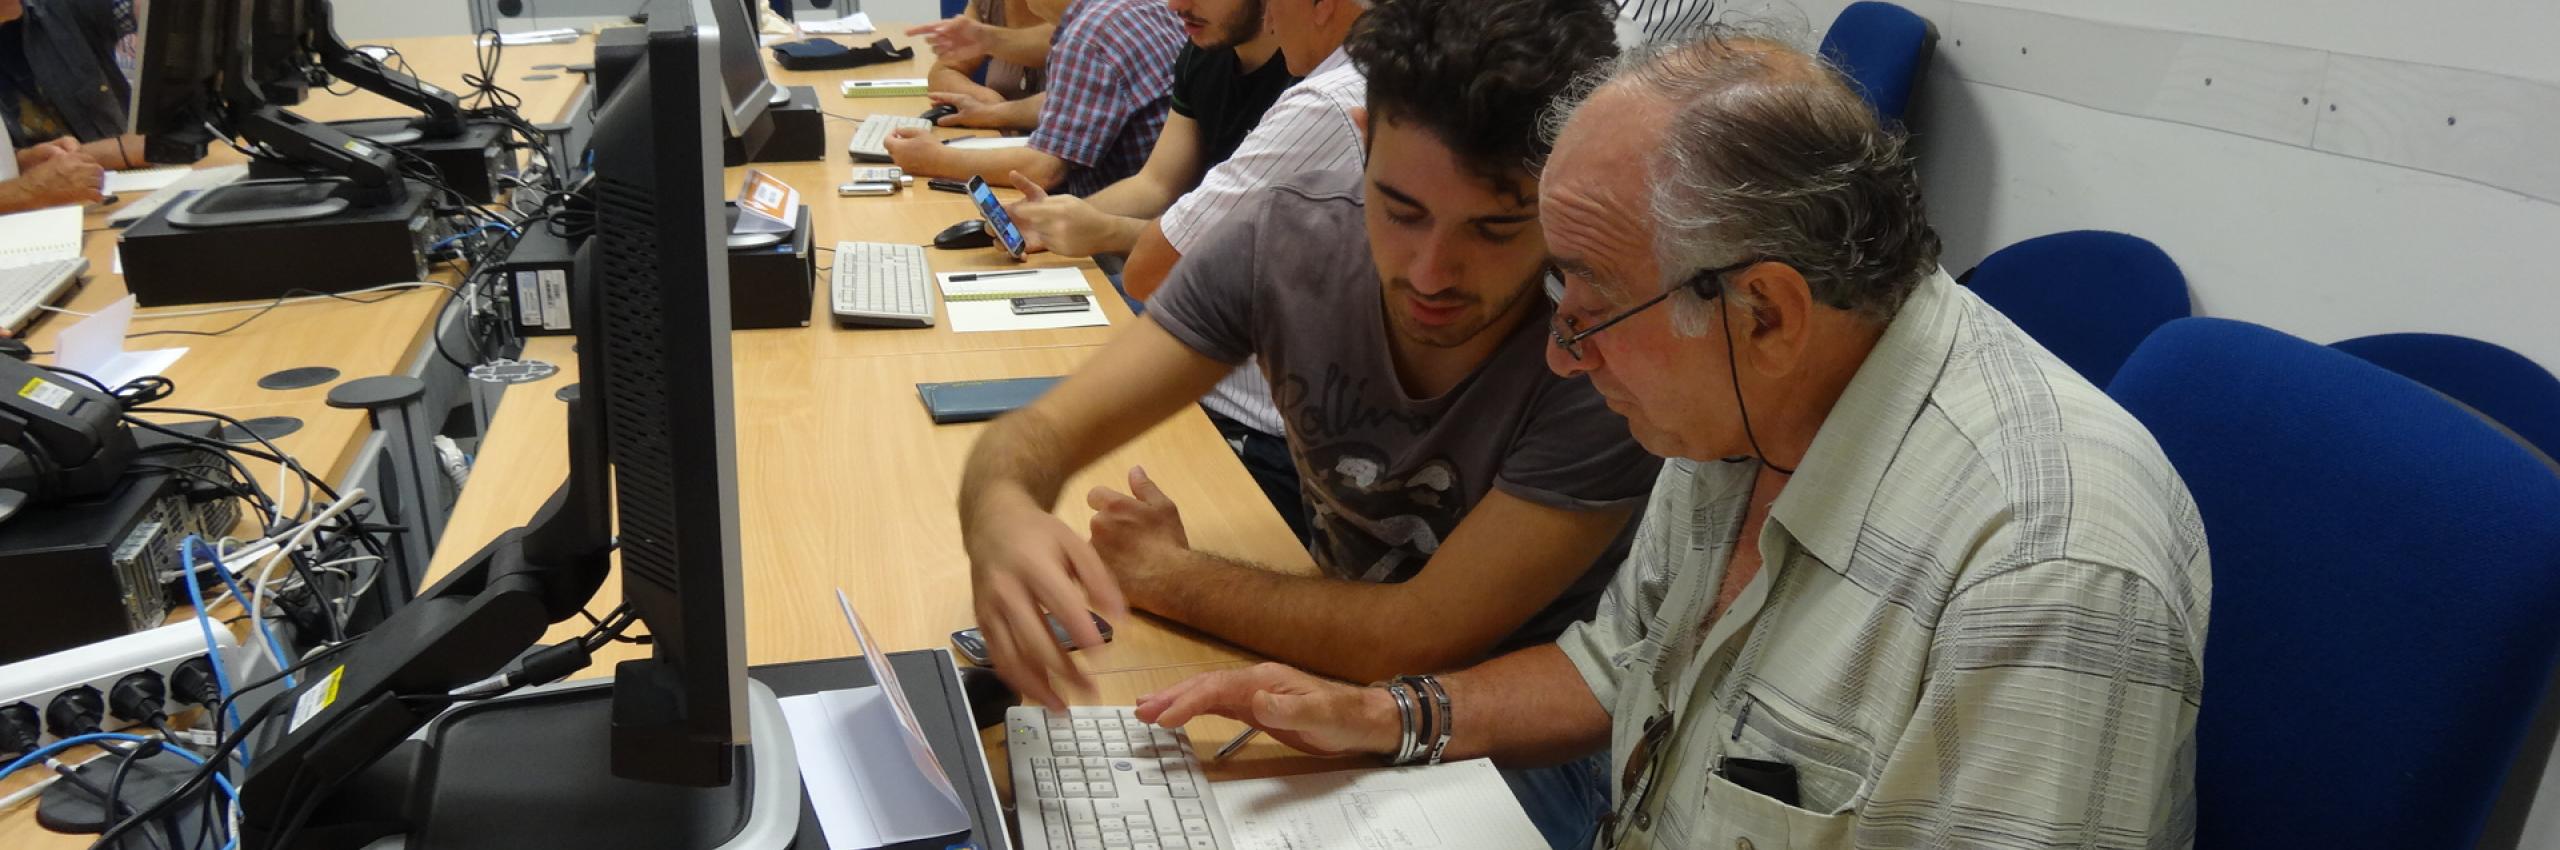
1213	89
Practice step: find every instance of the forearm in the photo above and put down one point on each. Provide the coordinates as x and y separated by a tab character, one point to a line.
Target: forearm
1352	630
1138	199
15	197
116	152
1151	260
1021	455
1022	113
1524	709
947	77
995	165
1024	46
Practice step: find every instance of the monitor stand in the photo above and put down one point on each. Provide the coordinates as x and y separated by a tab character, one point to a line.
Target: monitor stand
534	771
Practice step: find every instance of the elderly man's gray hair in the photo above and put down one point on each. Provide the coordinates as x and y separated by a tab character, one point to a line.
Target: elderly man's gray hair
1771	154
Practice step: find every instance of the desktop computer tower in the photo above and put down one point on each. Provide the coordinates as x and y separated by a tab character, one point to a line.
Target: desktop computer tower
94	566
165	264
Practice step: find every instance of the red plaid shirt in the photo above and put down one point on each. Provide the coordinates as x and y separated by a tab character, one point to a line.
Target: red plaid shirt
1110	80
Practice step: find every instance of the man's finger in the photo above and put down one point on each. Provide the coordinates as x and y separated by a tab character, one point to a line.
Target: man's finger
1042	656
1013	668
1207	693
1106	598
1102	498
1030	189
1144	488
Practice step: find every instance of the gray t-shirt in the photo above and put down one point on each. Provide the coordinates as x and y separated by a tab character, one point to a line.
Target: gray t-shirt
1387	476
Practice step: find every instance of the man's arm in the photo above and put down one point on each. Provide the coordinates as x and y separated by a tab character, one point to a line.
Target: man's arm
117	152
1151	260
1023	559
1524	709
2062	695
1507	560
919	153
1024	46
1112	220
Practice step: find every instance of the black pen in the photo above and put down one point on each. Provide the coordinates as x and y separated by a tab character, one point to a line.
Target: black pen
984	275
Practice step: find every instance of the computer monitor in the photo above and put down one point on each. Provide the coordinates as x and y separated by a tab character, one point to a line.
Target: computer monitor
741	64
195	85
294	44
187	48
653	407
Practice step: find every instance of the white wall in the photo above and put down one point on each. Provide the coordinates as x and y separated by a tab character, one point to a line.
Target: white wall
2325	223
2376	217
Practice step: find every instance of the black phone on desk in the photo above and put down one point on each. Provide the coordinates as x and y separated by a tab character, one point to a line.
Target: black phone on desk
1038	304
972	643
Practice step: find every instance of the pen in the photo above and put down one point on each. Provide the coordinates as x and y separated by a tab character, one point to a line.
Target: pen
1234	745
984	275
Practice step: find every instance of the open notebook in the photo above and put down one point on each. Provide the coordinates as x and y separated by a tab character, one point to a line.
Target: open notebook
983	300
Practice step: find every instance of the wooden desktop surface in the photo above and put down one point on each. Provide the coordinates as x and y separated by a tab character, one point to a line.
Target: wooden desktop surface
843	480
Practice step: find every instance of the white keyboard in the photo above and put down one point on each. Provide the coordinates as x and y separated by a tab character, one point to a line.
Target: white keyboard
24	289
1097	778
868	138
883	285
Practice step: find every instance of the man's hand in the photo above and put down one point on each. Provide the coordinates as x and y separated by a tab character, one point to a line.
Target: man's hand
1065	224
1022	561
915	151
33	155
958	38
1309	714
59	177
1138	534
981	109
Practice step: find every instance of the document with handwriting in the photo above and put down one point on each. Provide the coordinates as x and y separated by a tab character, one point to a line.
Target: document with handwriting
1456	805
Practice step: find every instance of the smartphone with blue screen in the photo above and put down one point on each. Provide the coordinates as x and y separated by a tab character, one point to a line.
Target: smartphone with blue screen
998	222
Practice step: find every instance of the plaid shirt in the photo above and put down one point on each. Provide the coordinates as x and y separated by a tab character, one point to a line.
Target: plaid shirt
1980	622
1110	81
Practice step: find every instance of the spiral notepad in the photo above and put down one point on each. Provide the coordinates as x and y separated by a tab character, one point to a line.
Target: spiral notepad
40	236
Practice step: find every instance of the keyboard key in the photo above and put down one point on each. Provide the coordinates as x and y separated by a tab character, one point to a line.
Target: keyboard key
1113	823
1150	775
1060	747
1047	789
1195	826
1203	842
1190	808
1115	750
1072	790
1146	845
1080	811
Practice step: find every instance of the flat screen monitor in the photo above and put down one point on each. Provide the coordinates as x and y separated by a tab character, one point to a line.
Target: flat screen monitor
188	48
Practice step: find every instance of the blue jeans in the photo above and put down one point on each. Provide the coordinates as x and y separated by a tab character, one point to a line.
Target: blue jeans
1566	800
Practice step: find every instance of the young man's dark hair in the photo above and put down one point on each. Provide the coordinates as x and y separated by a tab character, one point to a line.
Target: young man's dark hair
1478	73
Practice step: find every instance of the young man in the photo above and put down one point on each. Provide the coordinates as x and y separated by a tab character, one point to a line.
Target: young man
1910	582
1223	81
1308	129
1110	74
1464	499
64	72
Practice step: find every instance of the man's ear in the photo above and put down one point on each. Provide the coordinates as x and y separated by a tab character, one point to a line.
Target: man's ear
1360	122
1775	320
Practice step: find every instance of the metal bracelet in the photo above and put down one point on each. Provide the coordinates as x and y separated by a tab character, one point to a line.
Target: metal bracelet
1409	713
1445	723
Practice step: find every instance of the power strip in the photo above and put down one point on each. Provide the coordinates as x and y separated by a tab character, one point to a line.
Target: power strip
36	681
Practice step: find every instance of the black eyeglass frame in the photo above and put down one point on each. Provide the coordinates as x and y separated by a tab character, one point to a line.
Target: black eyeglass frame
1563	324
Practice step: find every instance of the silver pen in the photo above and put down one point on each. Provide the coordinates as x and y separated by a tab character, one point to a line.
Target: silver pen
984	275
1236	744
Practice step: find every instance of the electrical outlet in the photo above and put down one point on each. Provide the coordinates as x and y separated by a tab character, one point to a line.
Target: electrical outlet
35	681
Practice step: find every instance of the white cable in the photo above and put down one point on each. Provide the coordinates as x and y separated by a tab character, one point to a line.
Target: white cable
301	538
264	305
28	793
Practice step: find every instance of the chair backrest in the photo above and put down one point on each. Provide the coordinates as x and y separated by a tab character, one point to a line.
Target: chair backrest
1885	49
2499	383
2090	296
2386	606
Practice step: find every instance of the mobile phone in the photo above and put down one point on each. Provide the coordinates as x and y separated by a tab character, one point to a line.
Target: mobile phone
877	174
973	644
952	186
1038	304
998	222
866	188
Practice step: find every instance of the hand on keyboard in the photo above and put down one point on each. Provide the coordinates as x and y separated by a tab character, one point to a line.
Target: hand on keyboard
916	151
1308	713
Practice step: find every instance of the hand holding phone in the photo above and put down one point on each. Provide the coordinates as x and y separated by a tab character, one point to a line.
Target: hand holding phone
998	222
973	643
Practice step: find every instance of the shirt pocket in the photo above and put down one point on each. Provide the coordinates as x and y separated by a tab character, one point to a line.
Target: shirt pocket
1830	768
1742	819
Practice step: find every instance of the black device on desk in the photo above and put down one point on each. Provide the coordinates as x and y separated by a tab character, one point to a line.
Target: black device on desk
99	558
965	236
681	749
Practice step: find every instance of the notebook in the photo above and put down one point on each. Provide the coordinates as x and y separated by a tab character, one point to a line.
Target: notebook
1007	284
978	401
1458	804
40	236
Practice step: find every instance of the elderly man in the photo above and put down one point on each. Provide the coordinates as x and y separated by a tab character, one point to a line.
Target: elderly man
1907	581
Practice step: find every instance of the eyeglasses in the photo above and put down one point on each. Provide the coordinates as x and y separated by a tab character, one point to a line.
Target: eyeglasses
1635	785
1570	338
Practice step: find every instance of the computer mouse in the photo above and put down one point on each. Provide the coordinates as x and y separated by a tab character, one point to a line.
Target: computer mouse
964	236
988	696
15	347
935	114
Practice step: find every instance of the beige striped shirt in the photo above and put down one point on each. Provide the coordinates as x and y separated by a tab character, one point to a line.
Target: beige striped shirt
1981	623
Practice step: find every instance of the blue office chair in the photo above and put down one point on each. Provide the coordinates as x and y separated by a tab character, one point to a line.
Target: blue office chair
1884	48
2088	295
2501	384
2386	610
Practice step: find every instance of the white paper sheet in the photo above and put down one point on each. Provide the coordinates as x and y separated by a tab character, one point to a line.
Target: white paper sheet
988	143
971	306
145	180
95	347
978	316
1010	283
853	766
858	22
1456	805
